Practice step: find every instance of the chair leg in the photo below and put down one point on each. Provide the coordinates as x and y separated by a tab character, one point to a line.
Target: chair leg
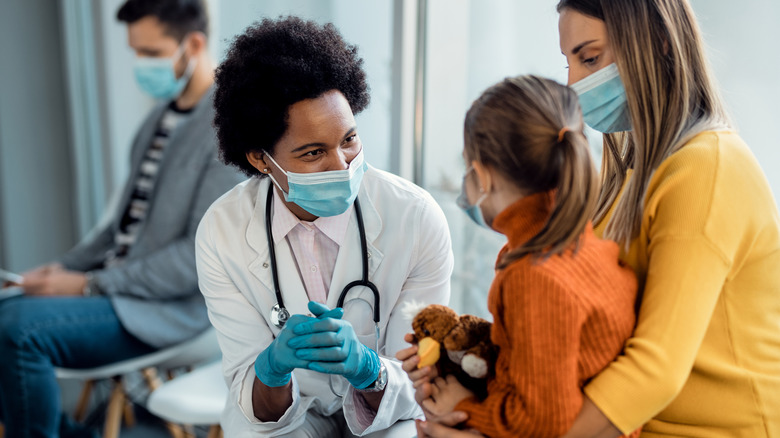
114	411
153	382
152	379
83	403
128	414
215	431
175	430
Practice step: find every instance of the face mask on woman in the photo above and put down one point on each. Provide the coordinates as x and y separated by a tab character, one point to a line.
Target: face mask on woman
324	194
603	100
157	76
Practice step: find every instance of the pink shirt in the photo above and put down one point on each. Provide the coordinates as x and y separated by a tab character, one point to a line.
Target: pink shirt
315	245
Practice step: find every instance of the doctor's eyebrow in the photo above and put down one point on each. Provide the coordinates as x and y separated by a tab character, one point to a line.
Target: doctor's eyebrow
351	131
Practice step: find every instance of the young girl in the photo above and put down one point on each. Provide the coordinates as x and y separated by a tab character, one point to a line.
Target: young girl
562	304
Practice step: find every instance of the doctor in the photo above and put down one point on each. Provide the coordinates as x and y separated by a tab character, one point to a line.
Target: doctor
276	254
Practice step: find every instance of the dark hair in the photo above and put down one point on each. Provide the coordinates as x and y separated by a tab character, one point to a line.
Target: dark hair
530	130
271	66
591	8
179	17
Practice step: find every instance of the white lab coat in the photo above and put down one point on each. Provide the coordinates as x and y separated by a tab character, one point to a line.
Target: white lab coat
410	259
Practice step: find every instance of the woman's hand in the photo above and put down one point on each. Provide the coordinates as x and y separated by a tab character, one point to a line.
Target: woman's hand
446	394
445	427
592	423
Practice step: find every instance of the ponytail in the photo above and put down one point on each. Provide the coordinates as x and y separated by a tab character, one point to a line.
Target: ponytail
515	127
575	198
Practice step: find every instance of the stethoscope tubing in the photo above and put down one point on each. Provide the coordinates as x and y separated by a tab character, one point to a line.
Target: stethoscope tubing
283	314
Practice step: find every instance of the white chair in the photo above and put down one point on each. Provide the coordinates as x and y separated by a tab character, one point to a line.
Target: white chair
196	398
202	348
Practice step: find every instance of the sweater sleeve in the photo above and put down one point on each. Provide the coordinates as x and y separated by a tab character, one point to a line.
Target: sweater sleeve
693	224
536	390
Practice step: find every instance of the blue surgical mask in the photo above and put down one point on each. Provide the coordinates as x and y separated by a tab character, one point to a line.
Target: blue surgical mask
603	100
157	76
473	211
324	194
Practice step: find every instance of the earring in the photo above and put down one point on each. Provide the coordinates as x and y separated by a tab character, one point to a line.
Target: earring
265	170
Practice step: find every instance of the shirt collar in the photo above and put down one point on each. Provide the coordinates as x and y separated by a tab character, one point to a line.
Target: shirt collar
525	218
283	221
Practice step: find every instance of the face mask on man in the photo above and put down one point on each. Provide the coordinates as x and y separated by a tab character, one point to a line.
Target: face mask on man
603	100
157	76
323	194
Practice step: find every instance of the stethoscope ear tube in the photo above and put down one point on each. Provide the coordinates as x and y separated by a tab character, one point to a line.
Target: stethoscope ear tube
279	313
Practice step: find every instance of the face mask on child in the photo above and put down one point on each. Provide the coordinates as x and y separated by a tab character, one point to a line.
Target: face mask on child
473	211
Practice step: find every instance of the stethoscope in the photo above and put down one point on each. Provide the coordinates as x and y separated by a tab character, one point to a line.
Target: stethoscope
279	313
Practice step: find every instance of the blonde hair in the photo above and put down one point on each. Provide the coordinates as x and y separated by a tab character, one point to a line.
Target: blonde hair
529	129
671	97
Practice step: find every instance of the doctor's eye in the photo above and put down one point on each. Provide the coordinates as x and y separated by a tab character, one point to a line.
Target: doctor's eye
313	153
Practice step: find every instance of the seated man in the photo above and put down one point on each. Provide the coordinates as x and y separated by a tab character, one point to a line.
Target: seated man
315	233
130	287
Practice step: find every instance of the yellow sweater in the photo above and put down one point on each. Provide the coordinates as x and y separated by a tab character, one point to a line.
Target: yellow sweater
704	360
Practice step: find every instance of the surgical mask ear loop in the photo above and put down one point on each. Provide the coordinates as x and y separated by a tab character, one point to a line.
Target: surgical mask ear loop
267	172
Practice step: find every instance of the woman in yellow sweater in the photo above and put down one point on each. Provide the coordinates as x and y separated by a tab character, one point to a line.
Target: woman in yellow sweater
688	202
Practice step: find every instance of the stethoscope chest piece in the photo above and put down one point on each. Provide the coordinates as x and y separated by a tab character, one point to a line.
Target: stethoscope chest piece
279	316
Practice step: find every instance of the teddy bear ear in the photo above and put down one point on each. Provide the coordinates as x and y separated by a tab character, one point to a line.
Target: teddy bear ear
410	309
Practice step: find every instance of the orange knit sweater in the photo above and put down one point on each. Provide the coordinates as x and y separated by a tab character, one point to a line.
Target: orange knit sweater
558	322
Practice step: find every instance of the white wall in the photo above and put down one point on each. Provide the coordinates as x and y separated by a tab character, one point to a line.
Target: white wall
36	204
742	40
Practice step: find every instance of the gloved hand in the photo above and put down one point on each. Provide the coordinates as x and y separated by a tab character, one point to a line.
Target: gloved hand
330	345
274	364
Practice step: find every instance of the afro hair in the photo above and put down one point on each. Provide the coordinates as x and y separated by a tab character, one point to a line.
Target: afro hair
271	66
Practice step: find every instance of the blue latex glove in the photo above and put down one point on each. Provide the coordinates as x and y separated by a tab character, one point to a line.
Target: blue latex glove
275	364
330	345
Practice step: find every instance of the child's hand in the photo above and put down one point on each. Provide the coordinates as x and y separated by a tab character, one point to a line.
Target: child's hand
420	378
445	395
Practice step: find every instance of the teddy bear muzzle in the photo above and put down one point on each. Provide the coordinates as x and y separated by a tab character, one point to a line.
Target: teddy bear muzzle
428	349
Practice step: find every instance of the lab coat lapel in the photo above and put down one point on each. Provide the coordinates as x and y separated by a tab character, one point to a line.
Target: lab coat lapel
290	283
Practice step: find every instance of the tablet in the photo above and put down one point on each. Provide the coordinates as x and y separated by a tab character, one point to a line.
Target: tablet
10	276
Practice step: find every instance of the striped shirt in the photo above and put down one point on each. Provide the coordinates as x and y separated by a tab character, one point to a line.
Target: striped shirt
143	188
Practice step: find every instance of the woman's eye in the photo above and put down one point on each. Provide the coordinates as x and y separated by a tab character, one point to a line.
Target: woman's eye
590	61
351	138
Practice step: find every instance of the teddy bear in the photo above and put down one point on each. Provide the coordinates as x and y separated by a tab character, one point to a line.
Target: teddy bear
457	345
